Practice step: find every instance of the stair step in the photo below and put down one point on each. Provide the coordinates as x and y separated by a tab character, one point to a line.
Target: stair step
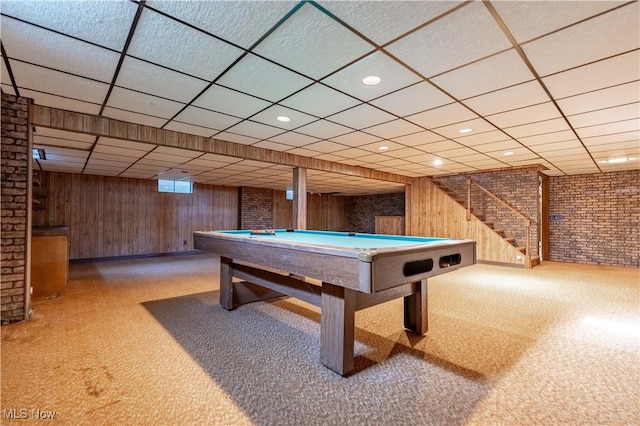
489	224
510	240
535	260
499	231
521	249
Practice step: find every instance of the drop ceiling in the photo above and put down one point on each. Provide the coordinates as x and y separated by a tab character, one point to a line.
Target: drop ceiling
552	83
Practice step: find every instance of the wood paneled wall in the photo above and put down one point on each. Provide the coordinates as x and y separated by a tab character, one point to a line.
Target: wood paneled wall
324	212
110	216
433	213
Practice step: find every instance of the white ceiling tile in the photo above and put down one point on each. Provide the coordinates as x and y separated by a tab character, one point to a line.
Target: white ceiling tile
614	147
439	146
454	153
272	145
410	100
603	116
133	117
291	139
254	130
325	147
438	117
361	116
605	129
604	98
166	42
206	118
320	101
418	138
105	23
612	138
372	18
477	125
263	79
322	37
389	148
490	74
45	141
324	129
236	138
563	135
109	152
354	139
393	129
393	75
474	139
143	104
60	102
603	36
154	80
529	19
541	127
7	88
240	25
618	70
58	83
62	166
218	98
507	145
531	114
65	154
481	37
549	148
507	99
270	117
45	48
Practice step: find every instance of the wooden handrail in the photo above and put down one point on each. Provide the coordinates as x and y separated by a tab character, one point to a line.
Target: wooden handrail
509	206
526	218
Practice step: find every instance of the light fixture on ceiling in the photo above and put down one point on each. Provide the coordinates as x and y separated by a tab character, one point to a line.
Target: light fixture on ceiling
465	130
383	148
617	160
39	154
508	153
371	80
437	162
283	118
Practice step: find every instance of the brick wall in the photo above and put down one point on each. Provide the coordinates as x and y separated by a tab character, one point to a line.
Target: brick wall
255	208
15	157
518	187
362	210
595	218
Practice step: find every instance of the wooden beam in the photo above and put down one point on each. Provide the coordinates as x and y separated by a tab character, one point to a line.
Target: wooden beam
78	122
300	198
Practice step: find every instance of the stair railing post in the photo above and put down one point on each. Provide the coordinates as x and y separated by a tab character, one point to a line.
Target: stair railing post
468	199
528	228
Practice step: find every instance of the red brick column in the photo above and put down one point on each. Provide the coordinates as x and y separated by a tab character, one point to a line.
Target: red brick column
15	221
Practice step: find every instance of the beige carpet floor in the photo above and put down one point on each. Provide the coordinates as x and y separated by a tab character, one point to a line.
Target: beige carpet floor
144	342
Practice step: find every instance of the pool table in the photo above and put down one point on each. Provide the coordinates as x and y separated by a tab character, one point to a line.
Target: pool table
340	272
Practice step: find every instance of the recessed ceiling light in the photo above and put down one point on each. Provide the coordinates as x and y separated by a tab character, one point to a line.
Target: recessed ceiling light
508	153
283	118
371	80
618	160
383	148
466	130
437	162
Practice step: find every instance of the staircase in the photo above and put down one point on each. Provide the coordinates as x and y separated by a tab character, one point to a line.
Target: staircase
530	262
38	192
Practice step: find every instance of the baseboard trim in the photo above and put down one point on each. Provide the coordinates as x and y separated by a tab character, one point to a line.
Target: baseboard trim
134	256
510	265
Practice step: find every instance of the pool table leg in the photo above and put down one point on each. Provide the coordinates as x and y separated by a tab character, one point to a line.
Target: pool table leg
337	323
226	283
415	308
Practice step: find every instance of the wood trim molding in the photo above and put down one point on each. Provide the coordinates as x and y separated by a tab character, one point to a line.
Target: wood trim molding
77	122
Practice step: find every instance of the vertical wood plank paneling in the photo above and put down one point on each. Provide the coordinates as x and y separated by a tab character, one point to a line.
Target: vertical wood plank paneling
435	214
282	210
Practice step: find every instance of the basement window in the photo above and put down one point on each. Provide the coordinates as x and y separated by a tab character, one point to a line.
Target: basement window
177	186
